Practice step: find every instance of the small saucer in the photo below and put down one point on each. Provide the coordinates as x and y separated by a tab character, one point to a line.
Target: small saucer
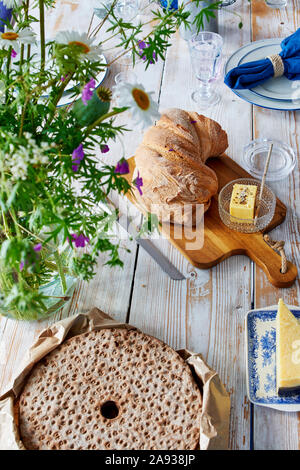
266	211
283	159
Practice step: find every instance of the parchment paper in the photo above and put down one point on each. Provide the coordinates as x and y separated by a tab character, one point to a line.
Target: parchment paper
214	422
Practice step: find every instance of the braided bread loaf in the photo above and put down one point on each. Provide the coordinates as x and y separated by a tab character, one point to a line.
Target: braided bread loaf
171	160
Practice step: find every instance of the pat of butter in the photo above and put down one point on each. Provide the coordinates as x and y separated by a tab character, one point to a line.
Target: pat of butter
242	202
287	351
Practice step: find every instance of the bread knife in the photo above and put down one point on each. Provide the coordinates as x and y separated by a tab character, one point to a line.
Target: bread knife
160	259
146	244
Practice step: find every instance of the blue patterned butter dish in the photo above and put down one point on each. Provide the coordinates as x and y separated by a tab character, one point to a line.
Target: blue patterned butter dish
261	360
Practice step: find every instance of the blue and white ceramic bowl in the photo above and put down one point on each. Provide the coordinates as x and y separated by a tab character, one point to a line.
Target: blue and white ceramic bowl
261	360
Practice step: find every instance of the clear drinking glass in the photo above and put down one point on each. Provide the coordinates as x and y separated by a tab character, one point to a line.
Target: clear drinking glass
276	3
128	11
206	53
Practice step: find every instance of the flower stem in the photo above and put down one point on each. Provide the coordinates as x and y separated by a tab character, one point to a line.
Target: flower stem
53	267
99	26
100	119
42	33
57	99
8	72
26	10
14	218
60	272
5	224
23	117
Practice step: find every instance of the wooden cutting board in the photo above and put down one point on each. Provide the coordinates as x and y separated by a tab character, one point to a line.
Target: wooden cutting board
219	241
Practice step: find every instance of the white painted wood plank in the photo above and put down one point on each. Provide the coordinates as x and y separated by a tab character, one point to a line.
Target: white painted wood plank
274	429
206	312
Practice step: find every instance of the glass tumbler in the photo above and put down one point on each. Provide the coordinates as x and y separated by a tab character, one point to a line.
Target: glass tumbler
206	57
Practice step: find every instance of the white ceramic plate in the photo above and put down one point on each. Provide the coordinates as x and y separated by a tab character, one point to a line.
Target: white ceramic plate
261	360
276	93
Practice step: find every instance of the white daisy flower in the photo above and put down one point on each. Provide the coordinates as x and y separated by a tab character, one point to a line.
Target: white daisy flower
143	108
11	3
14	39
88	50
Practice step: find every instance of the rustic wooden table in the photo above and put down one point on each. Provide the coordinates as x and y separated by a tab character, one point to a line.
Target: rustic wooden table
206	312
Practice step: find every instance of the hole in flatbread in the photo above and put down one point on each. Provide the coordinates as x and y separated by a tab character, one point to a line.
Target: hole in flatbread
109	410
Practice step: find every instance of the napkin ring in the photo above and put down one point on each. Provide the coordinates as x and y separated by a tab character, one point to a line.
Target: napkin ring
278	64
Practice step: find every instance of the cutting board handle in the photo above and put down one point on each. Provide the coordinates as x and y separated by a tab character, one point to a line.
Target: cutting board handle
270	261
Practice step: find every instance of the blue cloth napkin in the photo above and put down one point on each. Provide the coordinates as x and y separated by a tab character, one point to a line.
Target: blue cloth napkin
251	74
5	14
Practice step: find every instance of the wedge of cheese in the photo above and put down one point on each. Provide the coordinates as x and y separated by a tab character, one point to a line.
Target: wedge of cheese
242	203
287	351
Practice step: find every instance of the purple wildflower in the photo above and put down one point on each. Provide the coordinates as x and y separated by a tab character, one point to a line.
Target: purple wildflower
37	247
78	154
79	240
138	183
87	91
122	167
77	157
63	78
171	150
143	45
151	61
13	54
104	148
21	266
193	122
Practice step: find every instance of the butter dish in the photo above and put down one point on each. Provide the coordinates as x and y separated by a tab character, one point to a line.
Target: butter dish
260	329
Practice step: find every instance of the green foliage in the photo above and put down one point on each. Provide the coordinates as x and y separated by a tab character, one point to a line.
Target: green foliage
45	220
207	13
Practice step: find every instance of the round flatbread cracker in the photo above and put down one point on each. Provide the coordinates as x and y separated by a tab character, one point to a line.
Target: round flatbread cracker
110	389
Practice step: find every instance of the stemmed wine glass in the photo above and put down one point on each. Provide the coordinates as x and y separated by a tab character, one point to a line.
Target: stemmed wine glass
206	52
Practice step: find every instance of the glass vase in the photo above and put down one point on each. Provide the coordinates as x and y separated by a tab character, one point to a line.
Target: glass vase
57	290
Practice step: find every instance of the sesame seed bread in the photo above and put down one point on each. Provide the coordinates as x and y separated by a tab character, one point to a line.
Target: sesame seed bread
110	389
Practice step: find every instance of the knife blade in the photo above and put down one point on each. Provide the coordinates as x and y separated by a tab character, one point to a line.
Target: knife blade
163	262
160	259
